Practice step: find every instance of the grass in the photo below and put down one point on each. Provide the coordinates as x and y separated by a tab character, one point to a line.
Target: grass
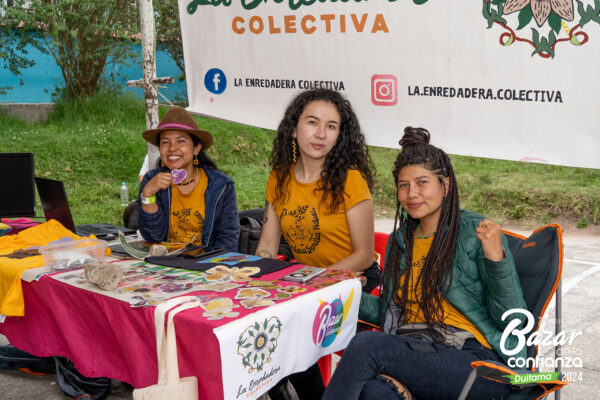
96	145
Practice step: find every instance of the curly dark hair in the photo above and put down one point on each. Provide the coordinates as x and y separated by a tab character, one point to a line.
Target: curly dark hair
436	274
349	151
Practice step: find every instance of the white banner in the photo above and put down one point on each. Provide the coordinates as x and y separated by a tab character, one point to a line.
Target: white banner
520	86
259	350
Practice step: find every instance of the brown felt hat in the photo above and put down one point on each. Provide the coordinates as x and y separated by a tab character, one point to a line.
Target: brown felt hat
178	119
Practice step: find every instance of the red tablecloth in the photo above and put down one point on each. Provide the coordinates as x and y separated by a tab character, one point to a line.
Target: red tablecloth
106	337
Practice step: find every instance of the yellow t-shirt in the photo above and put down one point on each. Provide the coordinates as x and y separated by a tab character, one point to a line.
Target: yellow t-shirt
452	316
188	211
316	236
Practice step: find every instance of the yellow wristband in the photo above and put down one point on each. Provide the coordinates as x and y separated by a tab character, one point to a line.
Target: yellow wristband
148	200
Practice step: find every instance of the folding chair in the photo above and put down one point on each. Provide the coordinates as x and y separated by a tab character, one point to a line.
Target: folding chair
538	260
324	362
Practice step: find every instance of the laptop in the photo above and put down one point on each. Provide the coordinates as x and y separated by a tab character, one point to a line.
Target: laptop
56	206
16	181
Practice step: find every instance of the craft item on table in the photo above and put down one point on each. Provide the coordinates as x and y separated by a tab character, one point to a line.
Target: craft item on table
219	308
258	302
291	289
235	274
141	254
105	275
178	175
251	293
269	285
139	244
282	296
258	342
143	284
333	276
158	250
266	265
217	286
72	254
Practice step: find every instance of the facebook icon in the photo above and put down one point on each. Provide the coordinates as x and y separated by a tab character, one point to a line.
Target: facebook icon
215	81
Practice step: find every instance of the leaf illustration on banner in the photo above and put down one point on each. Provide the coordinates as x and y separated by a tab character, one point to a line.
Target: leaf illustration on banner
543	44
549	17
525	17
258	342
554	21
225	274
589	14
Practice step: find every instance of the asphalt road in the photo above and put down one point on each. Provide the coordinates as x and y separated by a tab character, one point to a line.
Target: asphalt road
580	310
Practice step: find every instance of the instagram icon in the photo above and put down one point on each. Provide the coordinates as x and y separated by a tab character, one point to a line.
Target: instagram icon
384	90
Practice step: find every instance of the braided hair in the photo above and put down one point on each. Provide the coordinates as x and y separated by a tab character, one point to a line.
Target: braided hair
349	152
436	274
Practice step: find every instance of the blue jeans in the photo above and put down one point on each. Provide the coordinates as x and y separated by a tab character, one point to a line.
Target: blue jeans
428	370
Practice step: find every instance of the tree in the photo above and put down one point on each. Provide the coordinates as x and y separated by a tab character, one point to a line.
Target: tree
168	31
82	36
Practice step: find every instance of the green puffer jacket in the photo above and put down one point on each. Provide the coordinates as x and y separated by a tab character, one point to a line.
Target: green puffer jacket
481	289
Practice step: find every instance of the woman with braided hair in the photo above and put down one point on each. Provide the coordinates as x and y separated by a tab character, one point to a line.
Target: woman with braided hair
448	280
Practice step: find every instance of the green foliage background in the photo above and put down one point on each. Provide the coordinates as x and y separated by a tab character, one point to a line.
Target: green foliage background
96	144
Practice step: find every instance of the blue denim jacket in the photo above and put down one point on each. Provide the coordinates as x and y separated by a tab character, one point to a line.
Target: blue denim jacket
221	222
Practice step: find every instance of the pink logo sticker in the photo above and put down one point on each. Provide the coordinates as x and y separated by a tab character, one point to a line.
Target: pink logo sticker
384	90
178	175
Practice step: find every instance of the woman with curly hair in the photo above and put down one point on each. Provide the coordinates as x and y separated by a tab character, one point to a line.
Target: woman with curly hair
446	285
319	194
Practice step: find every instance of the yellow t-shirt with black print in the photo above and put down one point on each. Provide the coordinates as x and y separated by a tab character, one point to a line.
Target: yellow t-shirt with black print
188	211
316	236
452	316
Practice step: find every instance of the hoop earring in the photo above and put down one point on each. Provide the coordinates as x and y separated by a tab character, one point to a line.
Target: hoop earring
294	150
196	162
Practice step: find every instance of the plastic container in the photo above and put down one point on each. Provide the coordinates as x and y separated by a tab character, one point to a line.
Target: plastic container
73	254
124	192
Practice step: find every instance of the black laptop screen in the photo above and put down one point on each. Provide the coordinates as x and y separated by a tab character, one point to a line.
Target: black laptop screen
54	201
17	188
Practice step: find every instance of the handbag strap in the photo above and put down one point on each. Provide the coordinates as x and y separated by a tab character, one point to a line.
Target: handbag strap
171	345
159	324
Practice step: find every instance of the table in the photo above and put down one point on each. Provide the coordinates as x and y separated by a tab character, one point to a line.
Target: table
104	336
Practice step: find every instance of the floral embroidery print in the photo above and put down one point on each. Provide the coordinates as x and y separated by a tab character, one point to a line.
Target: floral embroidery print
258	342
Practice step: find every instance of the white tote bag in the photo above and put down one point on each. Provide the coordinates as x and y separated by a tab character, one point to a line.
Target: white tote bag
170	386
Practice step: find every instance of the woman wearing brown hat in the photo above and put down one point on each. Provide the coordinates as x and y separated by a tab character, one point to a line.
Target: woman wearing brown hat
186	195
